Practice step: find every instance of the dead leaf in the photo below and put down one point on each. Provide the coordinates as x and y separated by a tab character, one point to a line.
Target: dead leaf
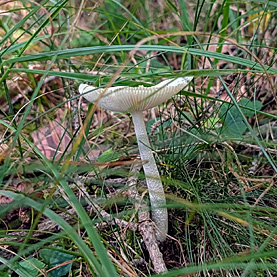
4	150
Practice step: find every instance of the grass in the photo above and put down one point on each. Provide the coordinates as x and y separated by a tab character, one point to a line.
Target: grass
63	161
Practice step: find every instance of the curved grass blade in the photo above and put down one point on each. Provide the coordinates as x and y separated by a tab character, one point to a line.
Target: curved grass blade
67	53
69	230
87	77
107	266
219	266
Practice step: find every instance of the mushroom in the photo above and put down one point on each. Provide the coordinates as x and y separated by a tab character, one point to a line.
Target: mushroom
136	100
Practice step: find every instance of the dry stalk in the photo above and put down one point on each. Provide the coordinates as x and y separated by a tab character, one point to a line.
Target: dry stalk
145	227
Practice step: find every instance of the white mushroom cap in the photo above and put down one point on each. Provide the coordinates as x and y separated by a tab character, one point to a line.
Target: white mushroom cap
123	98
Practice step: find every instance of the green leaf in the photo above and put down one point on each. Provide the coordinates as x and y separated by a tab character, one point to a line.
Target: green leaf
254	106
109	156
232	120
32	265
54	258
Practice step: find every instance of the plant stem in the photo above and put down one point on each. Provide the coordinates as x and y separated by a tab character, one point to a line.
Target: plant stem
153	180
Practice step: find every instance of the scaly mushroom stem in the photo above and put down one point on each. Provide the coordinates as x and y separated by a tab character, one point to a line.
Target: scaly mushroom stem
153	180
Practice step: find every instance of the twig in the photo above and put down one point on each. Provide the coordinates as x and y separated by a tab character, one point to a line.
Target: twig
263	194
255	147
112	220
146	227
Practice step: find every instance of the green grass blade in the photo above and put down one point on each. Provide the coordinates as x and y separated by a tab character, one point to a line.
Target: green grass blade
22	21
90	78
116	48
107	266
70	231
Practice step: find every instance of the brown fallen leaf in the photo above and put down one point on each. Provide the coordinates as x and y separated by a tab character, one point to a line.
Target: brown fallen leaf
4	150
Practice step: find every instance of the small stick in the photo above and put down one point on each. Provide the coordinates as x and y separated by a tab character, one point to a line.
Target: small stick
146	227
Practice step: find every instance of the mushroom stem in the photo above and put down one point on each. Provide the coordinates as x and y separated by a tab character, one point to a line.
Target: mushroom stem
153	180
